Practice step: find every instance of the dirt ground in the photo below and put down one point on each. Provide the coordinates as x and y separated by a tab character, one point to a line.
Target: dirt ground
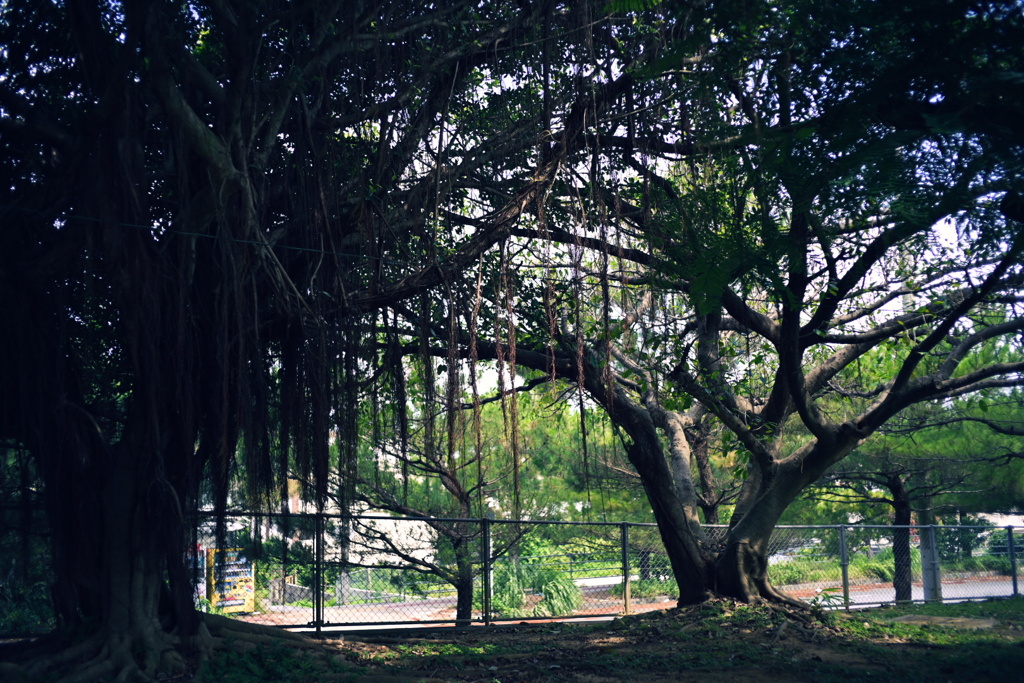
718	642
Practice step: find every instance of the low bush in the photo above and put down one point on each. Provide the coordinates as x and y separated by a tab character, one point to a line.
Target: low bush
882	565
512	582
25	610
996	563
877	569
508	596
648	588
964	565
561	596
803	571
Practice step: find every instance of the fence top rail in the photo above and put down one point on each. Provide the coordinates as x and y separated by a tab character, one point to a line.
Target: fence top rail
914	526
209	514
555	522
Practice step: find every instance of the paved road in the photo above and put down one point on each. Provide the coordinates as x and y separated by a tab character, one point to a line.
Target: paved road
598	601
952	591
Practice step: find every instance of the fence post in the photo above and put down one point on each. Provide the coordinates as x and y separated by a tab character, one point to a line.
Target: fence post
844	561
1012	552
318	573
931	576
627	602
487	569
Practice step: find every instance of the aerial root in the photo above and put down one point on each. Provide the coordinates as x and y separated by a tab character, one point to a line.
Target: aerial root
115	661
806	632
241	641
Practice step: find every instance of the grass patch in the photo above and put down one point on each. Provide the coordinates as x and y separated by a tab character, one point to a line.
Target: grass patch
719	641
1008	612
277	663
722	641
803	570
938	651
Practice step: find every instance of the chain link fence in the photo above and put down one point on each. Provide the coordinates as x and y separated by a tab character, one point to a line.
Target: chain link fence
322	571
388	570
866	565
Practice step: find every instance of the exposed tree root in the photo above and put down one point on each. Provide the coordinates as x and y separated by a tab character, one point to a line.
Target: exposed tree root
144	656
54	651
224	626
810	635
118	657
11	673
773	596
742	573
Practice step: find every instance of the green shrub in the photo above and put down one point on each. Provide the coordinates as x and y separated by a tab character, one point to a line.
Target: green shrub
958	543
561	596
25	610
648	588
787	573
508	597
879	569
803	571
966	564
512	581
996	563
882	565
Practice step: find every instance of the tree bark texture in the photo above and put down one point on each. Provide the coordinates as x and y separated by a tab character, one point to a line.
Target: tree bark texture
903	566
741	570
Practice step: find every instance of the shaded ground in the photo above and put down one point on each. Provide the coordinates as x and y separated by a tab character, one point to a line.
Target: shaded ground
717	641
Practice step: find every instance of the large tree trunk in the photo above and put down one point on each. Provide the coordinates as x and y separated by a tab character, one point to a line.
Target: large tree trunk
671	493
464	597
675	516
902	570
115	535
463	582
123	591
742	567
116	522
741	570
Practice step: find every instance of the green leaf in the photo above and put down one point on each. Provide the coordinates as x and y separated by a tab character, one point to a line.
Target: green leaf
619	6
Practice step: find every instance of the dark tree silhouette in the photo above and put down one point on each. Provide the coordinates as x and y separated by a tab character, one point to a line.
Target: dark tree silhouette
205	206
